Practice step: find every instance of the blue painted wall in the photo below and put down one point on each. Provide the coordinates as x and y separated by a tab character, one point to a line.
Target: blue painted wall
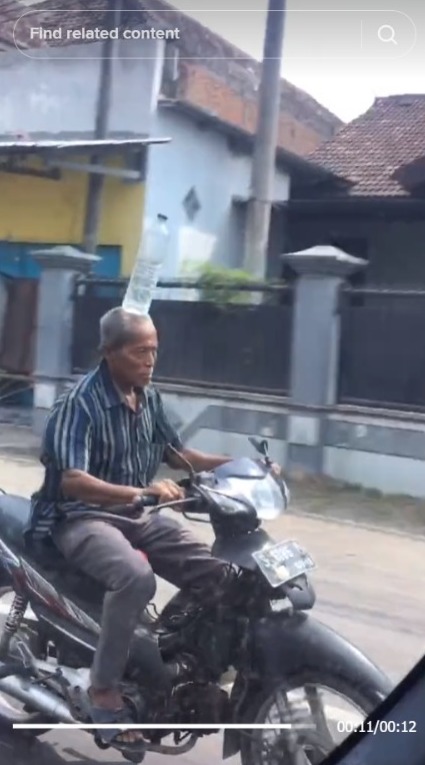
15	260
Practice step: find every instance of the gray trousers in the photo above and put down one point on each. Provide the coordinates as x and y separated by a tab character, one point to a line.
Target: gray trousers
109	554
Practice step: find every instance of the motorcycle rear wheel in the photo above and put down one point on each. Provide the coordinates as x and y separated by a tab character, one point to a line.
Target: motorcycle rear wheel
314	745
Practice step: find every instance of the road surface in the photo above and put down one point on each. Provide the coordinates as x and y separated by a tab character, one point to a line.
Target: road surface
367	585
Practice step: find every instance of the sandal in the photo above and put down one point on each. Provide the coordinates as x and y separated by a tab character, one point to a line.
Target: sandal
110	736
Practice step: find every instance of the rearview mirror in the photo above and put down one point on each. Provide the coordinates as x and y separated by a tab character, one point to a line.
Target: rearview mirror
262	447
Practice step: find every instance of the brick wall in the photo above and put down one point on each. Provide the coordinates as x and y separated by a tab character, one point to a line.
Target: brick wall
200	87
225	79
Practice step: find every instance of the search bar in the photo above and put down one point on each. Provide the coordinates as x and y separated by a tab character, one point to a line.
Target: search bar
309	34
348	35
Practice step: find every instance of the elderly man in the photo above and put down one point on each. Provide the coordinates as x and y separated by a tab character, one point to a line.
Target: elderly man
103	444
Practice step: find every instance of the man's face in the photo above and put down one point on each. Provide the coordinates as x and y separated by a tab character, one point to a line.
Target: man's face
134	363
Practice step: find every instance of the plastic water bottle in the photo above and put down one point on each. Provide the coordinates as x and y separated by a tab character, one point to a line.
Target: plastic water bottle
149	261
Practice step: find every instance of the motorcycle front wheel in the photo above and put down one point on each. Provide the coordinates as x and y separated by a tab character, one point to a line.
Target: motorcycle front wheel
300	702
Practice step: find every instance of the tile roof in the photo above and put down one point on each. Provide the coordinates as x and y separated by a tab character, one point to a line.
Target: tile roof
371	150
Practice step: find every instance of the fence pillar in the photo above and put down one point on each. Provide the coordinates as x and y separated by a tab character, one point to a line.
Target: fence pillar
315	348
59	267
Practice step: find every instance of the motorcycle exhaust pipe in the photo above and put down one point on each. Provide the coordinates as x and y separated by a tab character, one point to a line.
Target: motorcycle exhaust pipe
39	699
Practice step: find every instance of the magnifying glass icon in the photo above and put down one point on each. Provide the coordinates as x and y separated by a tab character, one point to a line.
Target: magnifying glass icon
386	34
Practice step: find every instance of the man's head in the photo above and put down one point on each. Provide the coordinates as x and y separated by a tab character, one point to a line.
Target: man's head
129	343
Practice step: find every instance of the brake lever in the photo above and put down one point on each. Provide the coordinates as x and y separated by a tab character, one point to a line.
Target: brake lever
157	509
174	503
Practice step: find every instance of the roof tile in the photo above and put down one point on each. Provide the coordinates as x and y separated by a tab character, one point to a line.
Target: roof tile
370	149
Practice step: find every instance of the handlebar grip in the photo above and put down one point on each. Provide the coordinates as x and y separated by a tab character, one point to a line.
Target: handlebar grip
147	500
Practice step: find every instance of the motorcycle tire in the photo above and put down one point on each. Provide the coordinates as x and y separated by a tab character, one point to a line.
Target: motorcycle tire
251	751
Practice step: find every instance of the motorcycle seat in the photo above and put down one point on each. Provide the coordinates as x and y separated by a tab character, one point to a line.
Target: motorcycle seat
14	517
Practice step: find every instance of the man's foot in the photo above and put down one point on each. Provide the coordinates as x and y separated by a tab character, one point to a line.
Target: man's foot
109	707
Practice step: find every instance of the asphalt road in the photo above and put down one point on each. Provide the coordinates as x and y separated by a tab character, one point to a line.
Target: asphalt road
367	588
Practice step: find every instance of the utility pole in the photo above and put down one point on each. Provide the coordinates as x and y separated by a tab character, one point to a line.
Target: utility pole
264	157
103	107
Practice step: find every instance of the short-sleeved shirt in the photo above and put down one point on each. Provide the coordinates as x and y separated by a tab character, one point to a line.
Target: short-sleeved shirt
91	428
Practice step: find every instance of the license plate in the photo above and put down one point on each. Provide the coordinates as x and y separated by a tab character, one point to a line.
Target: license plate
282	562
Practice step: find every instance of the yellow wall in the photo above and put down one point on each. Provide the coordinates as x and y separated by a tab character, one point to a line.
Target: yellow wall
52	212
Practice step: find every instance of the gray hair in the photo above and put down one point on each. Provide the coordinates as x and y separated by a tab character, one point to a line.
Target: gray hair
119	327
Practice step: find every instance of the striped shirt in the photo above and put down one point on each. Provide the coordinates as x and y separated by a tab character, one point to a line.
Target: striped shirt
91	428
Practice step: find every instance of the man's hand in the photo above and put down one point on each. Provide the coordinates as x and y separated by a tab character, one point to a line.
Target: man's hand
166	491
274	468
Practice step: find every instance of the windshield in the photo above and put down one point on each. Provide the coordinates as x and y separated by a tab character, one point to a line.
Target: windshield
240	468
263	493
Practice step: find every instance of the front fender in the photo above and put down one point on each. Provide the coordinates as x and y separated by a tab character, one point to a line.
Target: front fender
287	645
291	644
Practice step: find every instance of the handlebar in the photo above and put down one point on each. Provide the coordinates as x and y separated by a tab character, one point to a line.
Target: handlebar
191	496
147	501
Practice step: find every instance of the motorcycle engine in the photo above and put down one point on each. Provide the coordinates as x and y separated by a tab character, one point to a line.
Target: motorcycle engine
190	704
215	647
199	704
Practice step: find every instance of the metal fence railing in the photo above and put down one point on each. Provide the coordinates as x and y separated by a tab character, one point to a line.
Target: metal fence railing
236	346
382	352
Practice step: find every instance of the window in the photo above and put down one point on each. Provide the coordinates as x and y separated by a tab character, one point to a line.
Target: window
191	204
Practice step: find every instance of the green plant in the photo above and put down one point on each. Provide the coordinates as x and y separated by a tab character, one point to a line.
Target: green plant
219	285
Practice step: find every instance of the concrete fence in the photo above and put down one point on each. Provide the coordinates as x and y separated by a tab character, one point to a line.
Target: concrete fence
307	431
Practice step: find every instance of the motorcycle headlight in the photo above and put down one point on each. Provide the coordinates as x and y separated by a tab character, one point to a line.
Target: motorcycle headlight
238	516
270	499
231	505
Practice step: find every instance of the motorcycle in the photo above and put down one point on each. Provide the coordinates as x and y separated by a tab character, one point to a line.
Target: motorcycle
234	662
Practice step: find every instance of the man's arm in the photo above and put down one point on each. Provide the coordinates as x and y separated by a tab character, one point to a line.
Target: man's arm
199	460
82	486
69	440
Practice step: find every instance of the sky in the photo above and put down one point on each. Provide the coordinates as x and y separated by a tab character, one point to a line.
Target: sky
343	54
